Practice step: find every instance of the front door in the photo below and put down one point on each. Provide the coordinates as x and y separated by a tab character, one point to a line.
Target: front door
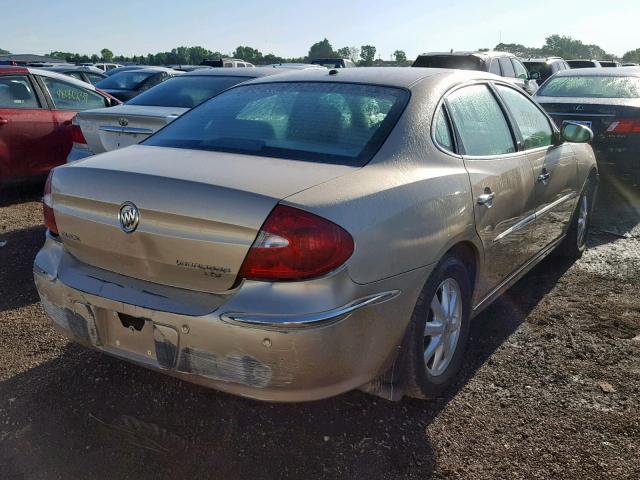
554	168
501	181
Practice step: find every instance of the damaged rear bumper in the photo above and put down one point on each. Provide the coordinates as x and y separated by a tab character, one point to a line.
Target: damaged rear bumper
347	335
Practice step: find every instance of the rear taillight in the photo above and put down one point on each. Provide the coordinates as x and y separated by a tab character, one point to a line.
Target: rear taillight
76	134
624	125
47	207
295	245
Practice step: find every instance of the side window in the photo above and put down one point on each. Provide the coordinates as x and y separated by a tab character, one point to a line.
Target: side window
533	124
76	75
521	72
154	80
17	92
240	65
67	96
495	67
507	68
480	122
442	132
94	77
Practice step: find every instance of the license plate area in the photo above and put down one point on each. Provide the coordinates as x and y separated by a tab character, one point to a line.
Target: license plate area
131	334
586	123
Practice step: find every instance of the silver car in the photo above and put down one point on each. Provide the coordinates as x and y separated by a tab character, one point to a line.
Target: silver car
305	234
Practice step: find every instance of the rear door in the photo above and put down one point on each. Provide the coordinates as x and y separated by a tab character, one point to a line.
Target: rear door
26	127
66	99
501	181
554	167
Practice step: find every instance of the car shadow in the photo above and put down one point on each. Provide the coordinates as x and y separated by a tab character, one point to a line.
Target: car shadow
617	211
17	252
25	191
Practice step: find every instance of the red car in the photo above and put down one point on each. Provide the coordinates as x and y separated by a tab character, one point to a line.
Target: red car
36	108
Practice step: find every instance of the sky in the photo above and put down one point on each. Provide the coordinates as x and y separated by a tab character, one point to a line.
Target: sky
288	28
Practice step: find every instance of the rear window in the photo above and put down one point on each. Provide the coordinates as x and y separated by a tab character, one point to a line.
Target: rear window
125	80
448	61
543	68
592	87
581	64
186	92
323	122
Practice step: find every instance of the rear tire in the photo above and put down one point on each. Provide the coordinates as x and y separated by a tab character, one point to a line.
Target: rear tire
575	242
439	330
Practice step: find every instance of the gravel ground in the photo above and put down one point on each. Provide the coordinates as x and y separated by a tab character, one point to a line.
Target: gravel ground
551	388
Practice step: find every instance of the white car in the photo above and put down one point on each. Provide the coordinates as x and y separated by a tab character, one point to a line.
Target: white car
106	129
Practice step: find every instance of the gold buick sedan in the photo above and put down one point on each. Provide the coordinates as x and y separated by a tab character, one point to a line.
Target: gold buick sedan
309	233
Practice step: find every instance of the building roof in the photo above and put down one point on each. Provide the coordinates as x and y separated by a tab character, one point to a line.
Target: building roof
29	58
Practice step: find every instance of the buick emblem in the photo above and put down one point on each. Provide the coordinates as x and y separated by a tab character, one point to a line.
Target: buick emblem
128	216
579	108
123	122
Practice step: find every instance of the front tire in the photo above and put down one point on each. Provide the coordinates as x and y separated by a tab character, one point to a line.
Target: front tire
439	330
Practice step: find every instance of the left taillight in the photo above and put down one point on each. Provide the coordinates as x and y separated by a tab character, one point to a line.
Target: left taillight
47	207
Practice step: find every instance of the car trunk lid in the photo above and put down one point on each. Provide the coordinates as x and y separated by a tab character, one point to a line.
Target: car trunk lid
107	129
199	212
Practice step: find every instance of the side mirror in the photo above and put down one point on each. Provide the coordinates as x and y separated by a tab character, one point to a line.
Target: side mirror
534	75
576	133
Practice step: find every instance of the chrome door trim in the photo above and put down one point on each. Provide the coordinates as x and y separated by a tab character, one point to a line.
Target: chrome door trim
293	321
110	129
581	114
554	204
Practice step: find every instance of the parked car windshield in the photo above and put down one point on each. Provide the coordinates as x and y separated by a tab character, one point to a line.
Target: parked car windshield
324	122
125	80
591	86
186	91
448	61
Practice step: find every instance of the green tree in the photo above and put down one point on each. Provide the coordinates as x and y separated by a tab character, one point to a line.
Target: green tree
4	52
518	50
367	55
344	52
249	54
632	56
321	49
400	56
106	54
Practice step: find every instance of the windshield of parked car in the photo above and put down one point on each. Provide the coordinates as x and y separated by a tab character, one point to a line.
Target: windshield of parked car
186	91
591	86
125	80
323	122
448	61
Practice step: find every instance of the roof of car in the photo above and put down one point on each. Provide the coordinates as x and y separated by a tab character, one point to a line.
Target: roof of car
402	77
544	60
72	68
488	53
600	72
60	76
152	69
232	72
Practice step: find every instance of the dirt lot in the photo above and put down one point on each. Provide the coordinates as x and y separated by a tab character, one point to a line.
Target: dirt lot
551	388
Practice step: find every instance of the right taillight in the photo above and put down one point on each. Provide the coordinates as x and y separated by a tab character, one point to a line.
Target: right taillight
294	245
47	207
76	134
624	126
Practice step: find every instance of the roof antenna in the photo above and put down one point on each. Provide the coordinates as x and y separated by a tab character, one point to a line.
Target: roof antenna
451	51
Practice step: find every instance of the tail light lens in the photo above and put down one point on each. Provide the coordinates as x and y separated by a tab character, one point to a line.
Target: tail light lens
47	207
76	134
295	245
624	125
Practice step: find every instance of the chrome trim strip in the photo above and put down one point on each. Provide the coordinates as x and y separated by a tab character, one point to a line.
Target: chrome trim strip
527	220
110	129
521	224
582	114
553	205
292	321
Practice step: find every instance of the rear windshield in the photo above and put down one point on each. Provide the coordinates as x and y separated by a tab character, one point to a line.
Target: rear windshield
448	61
323	122
581	64
591	86
125	80
543	68
187	91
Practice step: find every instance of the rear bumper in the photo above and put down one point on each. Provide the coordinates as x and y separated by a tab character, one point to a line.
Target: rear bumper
297	355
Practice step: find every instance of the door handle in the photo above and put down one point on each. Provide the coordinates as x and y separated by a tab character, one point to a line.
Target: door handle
487	198
3	121
544	176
